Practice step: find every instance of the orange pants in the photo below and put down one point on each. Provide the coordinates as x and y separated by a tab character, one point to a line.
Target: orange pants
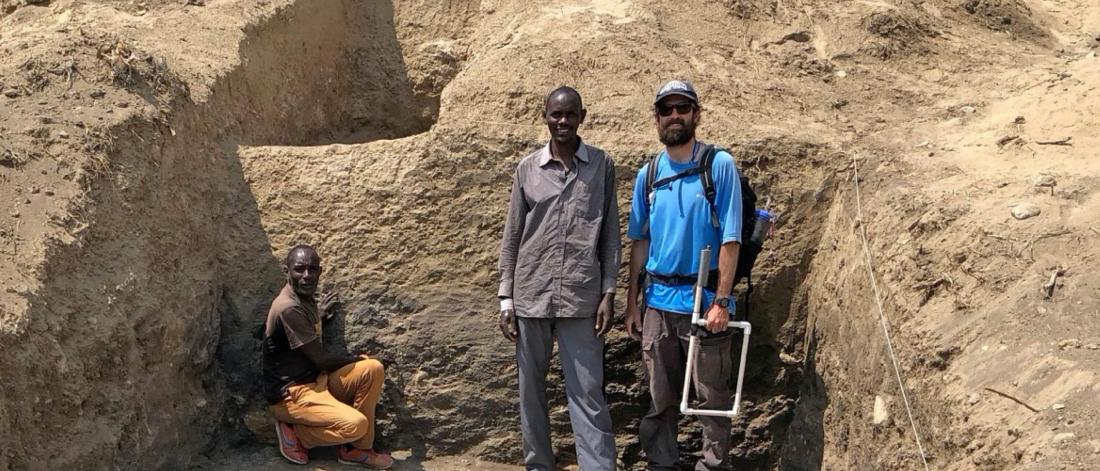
337	408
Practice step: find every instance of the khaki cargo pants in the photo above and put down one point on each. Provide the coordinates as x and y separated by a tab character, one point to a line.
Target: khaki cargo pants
664	349
337	408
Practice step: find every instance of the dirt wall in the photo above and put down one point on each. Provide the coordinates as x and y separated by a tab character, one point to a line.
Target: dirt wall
119	339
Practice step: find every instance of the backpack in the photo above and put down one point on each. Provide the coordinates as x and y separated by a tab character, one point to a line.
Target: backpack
750	250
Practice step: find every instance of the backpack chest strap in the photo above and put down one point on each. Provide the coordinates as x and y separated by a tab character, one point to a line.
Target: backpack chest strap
703	169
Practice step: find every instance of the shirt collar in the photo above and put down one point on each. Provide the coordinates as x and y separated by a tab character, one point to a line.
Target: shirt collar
298	299
545	157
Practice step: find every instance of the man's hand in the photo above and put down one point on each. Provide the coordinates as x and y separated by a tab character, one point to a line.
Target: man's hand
633	321
508	324
328	301
718	319
605	314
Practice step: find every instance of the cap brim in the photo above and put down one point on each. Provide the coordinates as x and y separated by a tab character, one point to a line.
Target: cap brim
668	94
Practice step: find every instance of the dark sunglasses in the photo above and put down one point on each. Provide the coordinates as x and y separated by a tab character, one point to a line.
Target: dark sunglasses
681	108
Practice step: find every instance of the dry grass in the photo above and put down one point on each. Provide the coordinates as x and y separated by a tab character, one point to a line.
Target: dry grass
896	33
98	143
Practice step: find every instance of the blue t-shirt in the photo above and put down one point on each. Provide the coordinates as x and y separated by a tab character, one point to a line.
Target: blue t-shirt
677	225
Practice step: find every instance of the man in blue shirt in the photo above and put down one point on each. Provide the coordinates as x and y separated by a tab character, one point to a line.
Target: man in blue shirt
668	228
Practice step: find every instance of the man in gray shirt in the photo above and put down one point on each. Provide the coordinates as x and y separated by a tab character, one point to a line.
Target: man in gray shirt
558	264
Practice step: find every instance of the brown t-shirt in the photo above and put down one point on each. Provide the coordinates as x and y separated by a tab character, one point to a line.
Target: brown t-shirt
291	323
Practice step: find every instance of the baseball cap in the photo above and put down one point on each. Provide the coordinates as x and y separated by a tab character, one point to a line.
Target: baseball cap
677	87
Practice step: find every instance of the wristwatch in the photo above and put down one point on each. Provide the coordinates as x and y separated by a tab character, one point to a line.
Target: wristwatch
723	301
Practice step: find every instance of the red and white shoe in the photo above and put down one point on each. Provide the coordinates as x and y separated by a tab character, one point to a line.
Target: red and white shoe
289	445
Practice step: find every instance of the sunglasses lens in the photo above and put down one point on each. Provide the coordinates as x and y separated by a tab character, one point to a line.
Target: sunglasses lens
681	108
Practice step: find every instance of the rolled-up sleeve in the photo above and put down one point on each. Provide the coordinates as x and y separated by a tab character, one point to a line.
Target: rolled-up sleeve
610	246
513	231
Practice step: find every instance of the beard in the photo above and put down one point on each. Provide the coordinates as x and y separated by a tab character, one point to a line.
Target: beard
675	137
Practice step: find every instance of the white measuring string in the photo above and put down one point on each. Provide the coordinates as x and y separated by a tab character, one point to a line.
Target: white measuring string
882	312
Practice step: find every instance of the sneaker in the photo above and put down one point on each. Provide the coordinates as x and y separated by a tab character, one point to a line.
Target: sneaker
371	458
289	445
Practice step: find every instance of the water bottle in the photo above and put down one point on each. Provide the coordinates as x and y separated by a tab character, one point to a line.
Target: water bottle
761	228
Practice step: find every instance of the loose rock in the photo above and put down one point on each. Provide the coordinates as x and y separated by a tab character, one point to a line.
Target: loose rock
261	425
1045	181
1069	343
1025	210
881	415
1063	437
11	93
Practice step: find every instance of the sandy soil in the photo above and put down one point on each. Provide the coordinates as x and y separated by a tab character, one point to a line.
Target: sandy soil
157	157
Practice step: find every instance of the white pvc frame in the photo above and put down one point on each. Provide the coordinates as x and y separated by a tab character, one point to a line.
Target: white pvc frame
693	347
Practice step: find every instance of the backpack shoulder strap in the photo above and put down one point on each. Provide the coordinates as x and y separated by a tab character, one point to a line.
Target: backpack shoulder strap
705	165
651	179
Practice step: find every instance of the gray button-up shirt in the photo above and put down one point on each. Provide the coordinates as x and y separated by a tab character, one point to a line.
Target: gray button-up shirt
561	246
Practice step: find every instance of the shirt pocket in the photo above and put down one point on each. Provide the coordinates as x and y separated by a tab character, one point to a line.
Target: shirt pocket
588	198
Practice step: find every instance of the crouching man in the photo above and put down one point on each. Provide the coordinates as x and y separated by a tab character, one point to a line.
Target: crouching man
318	398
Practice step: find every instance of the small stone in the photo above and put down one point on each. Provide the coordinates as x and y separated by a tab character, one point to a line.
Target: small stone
968	109
1058	406
15	214
122	104
63	134
1023	211
1019	120
881	415
973	399
48	192
1045	181
26	201
1069	343
1063	437
11	93
35	190
261	425
97	94
840	74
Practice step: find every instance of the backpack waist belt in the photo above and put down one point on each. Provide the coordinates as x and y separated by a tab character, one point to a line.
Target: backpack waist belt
683	280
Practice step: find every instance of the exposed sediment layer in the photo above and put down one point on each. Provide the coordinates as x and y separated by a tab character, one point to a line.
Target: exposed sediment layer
201	142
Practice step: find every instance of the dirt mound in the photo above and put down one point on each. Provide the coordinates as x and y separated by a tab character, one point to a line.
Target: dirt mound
1010	16
158	157
897	32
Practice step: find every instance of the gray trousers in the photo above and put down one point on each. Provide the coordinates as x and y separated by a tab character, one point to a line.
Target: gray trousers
582	361
664	349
